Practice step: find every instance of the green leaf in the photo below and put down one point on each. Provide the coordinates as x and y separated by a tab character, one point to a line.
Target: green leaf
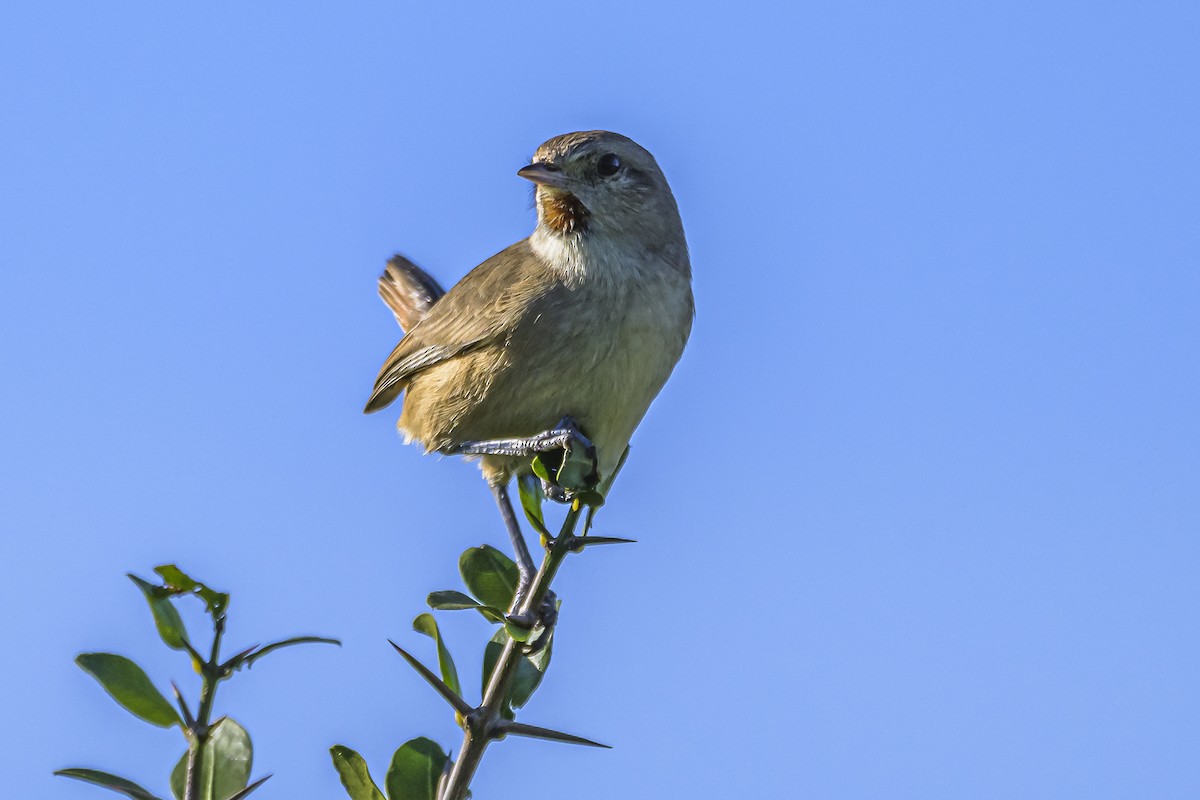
179	777
426	624
120	785
540	469
450	600
577	472
415	770
176	579
529	671
129	685
224	765
352	769
166	618
530	489
489	575
590	498
518	631
228	757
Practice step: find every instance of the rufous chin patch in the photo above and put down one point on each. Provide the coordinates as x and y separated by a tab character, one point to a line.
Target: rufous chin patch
562	212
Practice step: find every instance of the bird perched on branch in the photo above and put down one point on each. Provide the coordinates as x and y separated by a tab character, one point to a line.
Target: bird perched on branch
564	337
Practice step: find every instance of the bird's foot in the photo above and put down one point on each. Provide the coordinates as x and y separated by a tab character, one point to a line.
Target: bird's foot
535	627
565	459
570	467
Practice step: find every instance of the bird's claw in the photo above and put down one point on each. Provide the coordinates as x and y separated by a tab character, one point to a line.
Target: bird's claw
547	618
534	627
571	466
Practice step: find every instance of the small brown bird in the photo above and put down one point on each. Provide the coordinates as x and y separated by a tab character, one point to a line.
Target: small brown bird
583	320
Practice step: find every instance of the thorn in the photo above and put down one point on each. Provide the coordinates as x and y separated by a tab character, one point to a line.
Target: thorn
535	732
448	694
188	719
238	658
249	788
585	541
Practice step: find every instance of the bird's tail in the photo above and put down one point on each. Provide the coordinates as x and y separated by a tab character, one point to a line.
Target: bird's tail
408	291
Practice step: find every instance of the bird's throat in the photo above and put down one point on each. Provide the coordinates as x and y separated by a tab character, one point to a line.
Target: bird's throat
562	212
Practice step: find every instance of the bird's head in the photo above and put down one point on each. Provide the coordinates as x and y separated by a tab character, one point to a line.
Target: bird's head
596	184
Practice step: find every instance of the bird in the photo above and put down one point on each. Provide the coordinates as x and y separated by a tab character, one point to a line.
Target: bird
566	335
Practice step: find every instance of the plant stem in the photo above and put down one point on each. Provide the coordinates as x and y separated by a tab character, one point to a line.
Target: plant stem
481	726
210	674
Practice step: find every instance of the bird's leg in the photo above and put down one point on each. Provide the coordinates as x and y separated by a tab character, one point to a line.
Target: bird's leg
577	469
524	560
547	615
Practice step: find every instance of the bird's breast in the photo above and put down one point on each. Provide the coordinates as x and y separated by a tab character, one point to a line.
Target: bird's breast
600	352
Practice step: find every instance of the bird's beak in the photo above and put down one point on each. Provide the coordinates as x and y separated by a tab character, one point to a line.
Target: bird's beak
544	175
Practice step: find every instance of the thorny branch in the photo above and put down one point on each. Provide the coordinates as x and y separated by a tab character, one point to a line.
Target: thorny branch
484	724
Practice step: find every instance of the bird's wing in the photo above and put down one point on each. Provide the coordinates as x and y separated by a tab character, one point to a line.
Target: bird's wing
481	308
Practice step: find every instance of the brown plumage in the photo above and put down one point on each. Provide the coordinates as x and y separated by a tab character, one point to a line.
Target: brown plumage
564	214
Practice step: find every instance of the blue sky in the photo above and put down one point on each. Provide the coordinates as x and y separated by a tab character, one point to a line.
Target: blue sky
918	511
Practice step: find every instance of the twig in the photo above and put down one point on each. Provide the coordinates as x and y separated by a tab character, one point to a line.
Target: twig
198	730
485	723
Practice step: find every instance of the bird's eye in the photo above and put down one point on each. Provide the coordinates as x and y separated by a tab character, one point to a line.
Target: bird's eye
608	165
